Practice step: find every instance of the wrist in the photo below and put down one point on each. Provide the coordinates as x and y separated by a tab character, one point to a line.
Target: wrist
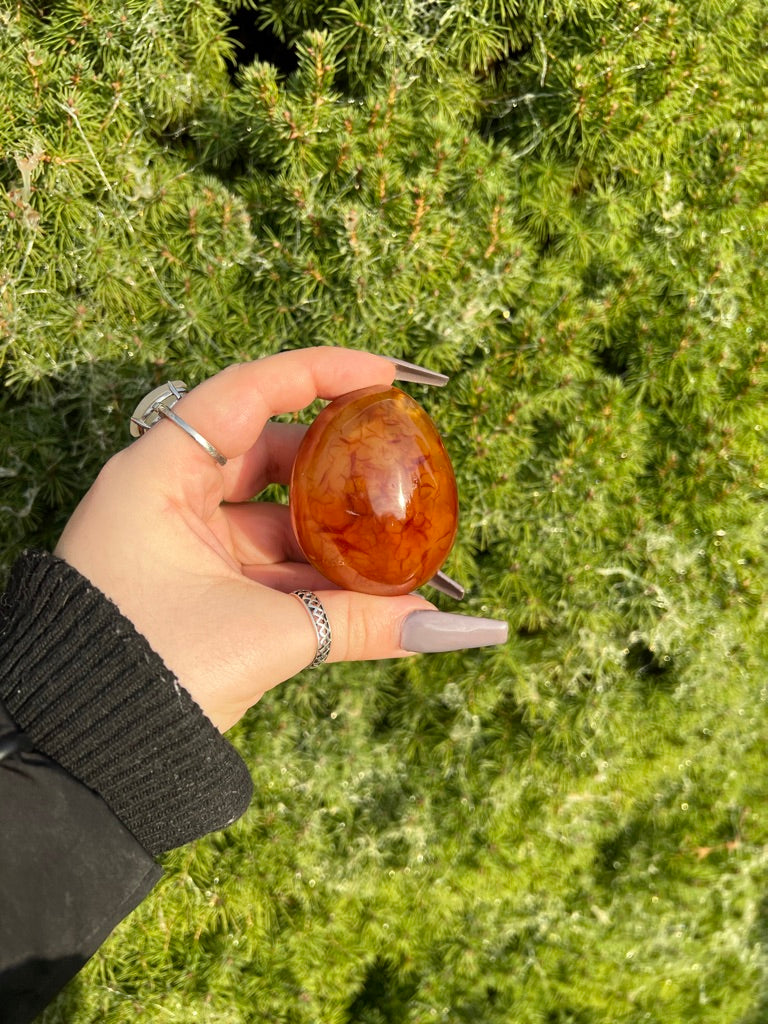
92	694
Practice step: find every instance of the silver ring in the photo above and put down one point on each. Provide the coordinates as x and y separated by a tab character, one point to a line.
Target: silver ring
159	404
314	606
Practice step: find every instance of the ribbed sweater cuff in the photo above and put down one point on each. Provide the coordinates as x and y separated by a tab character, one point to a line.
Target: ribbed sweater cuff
92	694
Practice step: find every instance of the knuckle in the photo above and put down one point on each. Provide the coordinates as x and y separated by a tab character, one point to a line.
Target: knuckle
355	633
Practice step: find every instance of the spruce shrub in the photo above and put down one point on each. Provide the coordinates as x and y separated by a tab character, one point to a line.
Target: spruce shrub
562	205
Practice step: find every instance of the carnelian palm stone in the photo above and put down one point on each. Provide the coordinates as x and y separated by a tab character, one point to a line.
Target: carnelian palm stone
373	496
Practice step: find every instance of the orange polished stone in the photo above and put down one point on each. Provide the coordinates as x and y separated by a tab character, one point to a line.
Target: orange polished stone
373	495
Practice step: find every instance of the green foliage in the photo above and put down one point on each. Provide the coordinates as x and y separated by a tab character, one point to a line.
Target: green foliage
562	205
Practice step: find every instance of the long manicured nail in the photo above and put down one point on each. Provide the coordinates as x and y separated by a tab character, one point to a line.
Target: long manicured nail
450	587
418	374
428	632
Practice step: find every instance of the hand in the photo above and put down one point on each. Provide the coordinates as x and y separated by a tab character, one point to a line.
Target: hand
205	574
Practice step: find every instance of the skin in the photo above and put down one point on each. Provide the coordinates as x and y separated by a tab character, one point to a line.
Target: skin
205	575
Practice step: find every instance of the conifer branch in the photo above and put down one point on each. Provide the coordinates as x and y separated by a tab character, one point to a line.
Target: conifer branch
561	204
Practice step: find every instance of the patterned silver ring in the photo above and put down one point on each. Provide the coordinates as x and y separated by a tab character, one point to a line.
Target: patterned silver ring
159	404
314	607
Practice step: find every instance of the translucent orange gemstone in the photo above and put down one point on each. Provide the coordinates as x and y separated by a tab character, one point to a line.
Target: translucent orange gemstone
373	495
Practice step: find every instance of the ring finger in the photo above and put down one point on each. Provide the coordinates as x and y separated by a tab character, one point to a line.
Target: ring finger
261	534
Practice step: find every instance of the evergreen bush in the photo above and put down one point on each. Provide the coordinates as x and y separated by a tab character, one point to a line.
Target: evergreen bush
563	205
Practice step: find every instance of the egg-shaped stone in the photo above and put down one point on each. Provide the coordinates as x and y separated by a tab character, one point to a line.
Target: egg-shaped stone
373	495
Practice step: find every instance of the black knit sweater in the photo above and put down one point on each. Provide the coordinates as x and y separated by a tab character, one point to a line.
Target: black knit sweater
92	695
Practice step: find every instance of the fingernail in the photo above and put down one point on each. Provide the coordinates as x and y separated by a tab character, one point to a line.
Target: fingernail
450	587
413	374
428	632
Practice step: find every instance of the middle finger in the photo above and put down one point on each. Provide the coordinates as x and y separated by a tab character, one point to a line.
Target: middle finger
269	461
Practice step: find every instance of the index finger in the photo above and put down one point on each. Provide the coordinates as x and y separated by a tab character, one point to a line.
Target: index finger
231	409
233	406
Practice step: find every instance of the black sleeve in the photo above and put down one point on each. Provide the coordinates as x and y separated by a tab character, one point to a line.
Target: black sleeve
123	765
69	872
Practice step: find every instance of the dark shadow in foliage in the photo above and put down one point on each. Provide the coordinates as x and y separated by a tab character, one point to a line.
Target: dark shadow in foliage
511	727
395	705
54	438
612	361
616	852
758	1013
648	664
384	995
258	44
567	1016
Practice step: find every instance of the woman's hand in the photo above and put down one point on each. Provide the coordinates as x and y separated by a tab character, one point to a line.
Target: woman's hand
205	574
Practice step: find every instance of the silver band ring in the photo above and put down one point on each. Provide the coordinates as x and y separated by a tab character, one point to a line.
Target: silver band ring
314	607
159	404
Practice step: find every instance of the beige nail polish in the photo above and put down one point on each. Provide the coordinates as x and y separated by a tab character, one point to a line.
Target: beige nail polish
429	632
413	374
